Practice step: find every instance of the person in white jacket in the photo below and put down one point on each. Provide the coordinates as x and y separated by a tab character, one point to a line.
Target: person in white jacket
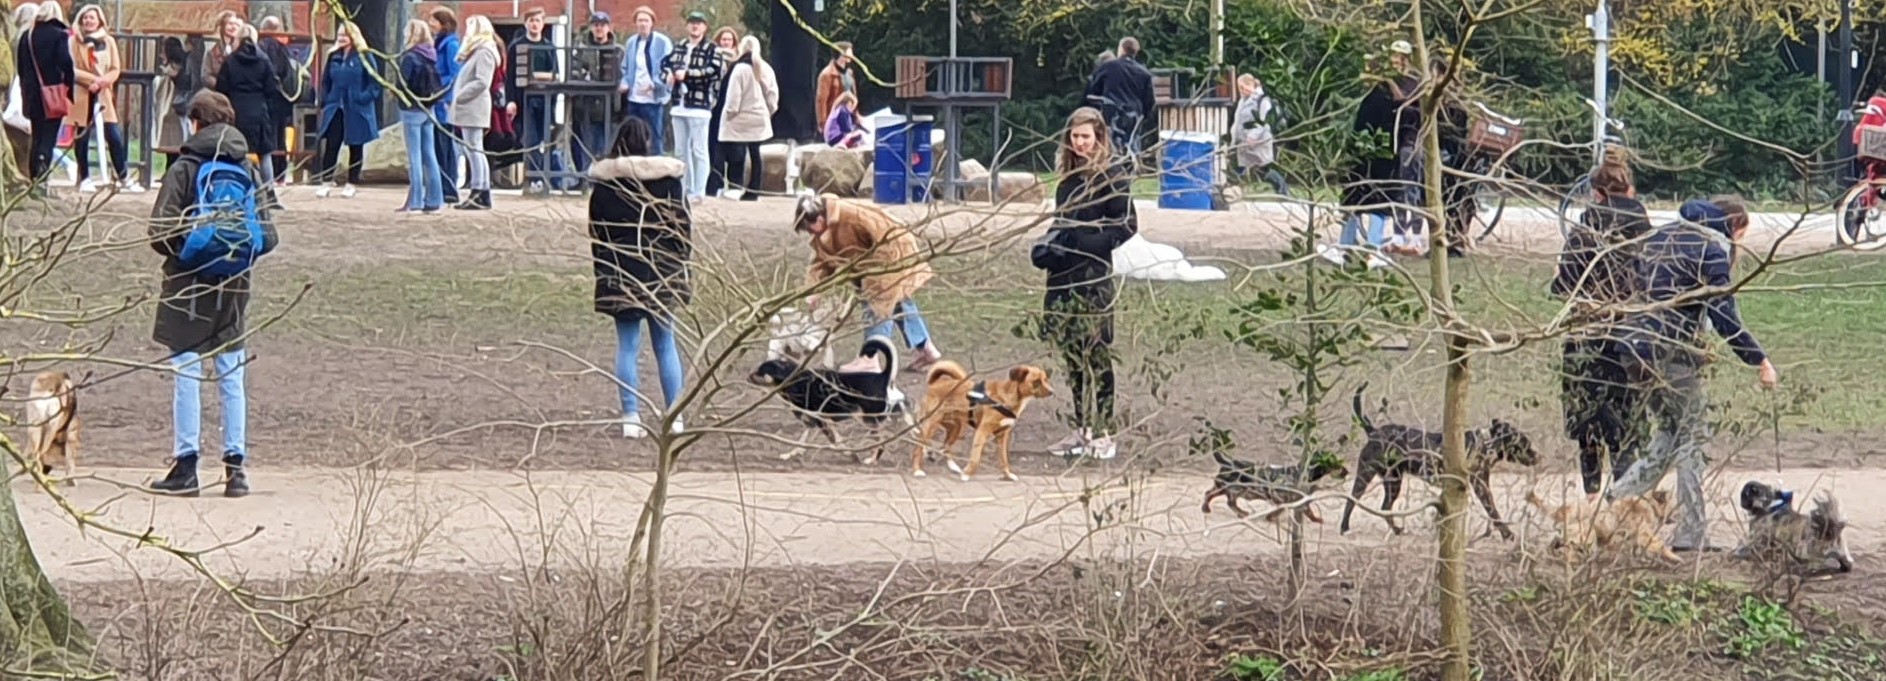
747	119
1255	137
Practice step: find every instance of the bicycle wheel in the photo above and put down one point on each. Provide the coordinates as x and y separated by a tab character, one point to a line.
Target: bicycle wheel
1489	206
1862	218
1575	199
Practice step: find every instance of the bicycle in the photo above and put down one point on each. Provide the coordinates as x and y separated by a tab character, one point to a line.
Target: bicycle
1486	165
1862	213
1580	192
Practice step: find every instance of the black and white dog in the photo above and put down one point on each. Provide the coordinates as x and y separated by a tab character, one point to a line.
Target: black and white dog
820	398
1785	538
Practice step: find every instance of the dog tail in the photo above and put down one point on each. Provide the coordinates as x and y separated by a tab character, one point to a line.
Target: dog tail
1355	405
945	369
886	353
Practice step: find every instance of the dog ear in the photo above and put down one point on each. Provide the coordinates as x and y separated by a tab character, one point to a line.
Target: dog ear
1018	374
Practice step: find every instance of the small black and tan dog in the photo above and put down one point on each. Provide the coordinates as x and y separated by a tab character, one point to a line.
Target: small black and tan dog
1792	540
820	398
1240	480
1396	451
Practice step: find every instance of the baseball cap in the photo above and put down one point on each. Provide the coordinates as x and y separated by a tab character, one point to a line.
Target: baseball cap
1401	47
598	18
697	16
810	208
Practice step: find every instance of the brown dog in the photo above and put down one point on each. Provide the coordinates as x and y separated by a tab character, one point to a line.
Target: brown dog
52	422
953	402
1640	520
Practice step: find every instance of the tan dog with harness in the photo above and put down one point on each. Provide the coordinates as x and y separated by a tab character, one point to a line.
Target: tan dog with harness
953	402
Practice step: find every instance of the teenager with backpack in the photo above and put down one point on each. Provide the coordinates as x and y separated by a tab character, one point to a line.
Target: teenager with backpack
210	228
1255	130
419	80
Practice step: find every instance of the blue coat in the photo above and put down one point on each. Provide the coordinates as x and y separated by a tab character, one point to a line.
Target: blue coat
447	47
1683	256
349	93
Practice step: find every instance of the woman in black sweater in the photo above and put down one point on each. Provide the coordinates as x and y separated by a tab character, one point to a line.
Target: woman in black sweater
1093	216
1598	269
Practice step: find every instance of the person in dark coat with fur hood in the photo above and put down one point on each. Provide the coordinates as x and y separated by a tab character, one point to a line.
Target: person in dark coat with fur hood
201	319
641	240
248	80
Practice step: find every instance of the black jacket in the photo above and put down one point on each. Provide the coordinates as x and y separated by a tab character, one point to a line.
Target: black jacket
419	77
1371	181
248	80
1599	262
197	313
45	51
1093	215
524	57
287	80
1122	86
1683	256
641	235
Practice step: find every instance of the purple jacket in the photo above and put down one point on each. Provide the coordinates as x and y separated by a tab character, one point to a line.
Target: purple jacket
842	122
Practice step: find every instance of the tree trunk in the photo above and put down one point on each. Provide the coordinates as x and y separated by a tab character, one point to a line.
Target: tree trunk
38	636
1456	634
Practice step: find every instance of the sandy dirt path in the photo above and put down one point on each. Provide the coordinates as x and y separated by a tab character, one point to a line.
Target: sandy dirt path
310	519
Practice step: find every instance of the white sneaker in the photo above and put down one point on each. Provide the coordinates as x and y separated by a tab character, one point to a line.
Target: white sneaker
633	429
1100	448
1070	445
131	187
88	186
322	191
347	192
678	428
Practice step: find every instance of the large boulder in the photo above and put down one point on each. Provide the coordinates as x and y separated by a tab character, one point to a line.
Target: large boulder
1010	187
386	158
834	171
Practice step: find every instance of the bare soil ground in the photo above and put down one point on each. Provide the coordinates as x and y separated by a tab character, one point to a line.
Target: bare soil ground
456	356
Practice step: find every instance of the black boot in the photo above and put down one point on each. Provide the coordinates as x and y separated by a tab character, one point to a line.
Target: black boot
484	199
470	202
181	480
238	484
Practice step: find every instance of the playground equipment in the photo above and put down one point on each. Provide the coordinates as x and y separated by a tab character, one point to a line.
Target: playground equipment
945	87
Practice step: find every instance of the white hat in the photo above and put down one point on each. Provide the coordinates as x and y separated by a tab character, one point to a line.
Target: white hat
1401	47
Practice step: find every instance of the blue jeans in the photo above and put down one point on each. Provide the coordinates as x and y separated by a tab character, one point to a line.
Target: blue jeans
445	146
535	132
907	318
629	349
1353	226
187	406
652	114
691	142
589	140
422	162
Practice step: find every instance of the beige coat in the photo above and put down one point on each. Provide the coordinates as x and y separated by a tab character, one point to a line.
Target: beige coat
88	67
863	242
752	97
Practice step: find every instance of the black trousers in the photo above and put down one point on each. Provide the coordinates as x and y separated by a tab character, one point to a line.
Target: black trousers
45	143
331	155
716	167
445	144
113	146
1603	408
1089	365
743	158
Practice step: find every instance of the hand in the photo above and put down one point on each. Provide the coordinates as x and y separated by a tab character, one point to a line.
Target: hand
1767	375
511	109
94	87
811	303
622	89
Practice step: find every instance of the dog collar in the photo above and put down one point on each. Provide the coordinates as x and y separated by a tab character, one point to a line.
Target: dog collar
1783	500
979	397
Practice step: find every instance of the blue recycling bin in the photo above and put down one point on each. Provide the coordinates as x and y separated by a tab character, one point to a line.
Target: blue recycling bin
896	142
1186	170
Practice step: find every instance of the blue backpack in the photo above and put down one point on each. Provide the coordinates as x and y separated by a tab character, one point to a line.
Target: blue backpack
226	237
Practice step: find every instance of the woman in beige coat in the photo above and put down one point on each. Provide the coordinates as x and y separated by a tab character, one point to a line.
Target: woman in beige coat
853	238
746	118
96	65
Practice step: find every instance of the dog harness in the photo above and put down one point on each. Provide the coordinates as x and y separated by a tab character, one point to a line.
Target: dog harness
979	397
1784	499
